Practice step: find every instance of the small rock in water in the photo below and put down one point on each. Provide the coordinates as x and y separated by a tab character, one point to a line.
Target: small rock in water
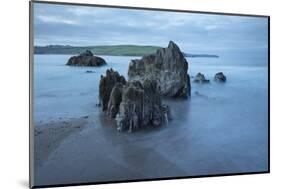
200	78
86	58
220	77
90	71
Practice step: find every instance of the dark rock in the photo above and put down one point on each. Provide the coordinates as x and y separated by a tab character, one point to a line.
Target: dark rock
90	71
85	59
188	85
219	77
106	85
115	99
167	67
200	78
141	106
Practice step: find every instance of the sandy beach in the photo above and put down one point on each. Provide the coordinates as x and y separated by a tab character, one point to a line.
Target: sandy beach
48	136
90	149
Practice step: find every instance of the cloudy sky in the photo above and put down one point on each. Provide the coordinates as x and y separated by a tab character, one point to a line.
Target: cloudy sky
195	33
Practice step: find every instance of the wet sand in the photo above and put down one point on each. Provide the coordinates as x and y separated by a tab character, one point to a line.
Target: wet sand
48	136
92	150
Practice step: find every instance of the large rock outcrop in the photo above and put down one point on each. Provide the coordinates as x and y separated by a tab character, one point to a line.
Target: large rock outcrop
106	85
86	58
167	67
141	106
133	104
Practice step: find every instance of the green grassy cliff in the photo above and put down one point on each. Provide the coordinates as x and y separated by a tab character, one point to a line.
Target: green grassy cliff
115	50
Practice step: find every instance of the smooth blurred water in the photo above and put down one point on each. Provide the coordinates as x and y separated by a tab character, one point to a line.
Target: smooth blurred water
64	91
222	130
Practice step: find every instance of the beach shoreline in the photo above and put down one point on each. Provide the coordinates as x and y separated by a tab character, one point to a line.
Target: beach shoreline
48	136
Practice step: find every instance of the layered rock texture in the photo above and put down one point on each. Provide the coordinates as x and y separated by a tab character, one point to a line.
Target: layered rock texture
220	77
86	58
133	104
167	67
141	106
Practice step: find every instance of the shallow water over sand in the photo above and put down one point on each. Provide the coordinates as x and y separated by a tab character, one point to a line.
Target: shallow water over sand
222	130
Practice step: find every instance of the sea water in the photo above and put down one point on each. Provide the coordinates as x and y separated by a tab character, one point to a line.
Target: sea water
223	128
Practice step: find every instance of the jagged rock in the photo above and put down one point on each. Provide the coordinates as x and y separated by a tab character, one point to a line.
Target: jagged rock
167	67
141	106
86	58
200	78
106	85
115	100
219	77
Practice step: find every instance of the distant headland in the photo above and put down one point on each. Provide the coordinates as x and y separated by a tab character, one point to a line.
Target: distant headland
113	50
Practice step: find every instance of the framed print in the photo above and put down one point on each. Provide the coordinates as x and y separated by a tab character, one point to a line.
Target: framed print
122	94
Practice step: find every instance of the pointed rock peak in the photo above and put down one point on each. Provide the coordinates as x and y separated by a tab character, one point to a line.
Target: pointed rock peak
173	45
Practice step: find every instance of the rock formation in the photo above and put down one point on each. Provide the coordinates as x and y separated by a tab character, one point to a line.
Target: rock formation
200	78
219	77
137	103
115	99
141	106
133	104
106	85
167	67
86	58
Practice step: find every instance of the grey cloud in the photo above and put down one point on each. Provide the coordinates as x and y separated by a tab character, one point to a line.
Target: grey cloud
76	25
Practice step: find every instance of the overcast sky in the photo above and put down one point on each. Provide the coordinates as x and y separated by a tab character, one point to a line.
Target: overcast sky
194	33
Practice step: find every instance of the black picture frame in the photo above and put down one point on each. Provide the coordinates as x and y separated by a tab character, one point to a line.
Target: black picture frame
31	127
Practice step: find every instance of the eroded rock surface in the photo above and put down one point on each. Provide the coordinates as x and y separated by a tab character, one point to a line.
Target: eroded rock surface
167	67
141	106
106	85
86	58
115	99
